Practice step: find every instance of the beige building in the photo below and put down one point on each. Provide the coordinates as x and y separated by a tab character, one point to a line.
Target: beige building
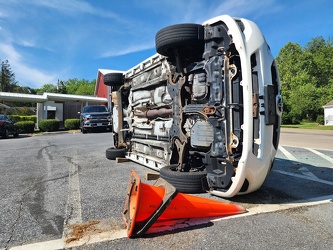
54	106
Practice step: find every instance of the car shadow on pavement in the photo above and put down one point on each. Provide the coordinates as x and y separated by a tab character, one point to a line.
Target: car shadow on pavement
291	181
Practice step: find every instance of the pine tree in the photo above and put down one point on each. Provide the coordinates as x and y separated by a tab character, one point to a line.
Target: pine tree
7	77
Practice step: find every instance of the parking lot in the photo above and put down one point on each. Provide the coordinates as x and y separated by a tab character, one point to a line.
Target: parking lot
52	184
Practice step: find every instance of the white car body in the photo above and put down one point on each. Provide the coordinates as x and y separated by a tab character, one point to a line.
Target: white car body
251	167
236	83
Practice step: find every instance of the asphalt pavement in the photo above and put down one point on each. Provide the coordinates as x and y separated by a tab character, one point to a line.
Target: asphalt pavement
55	184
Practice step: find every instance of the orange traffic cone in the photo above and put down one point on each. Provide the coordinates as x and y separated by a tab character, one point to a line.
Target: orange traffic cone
146	203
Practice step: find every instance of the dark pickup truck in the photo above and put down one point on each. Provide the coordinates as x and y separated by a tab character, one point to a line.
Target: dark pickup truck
95	117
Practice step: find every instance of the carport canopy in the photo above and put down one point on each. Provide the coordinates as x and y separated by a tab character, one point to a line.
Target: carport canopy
45	97
18	97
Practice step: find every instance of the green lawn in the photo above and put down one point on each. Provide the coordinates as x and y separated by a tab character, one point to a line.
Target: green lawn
308	125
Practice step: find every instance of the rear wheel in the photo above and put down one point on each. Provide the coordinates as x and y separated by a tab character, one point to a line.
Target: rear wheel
113	153
113	79
16	134
187	39
184	182
6	134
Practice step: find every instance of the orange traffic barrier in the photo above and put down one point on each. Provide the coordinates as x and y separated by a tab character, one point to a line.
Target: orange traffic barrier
146	204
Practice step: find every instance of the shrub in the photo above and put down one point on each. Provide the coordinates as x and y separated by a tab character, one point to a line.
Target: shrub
26	126
20	118
29	118
72	124
15	118
49	125
288	118
25	111
320	119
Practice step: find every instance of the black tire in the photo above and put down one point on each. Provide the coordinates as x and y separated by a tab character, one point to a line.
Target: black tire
113	153
113	79
16	134
184	182
6	134
187	37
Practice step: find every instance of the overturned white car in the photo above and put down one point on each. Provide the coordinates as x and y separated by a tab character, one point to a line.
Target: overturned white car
205	111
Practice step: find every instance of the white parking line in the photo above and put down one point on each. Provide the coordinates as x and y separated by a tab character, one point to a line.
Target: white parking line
262	208
294	161
183	223
289	155
306	177
326	157
269	208
73	208
51	245
307	172
60	243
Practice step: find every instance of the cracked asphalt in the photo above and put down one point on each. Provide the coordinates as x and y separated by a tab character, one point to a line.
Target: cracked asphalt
52	183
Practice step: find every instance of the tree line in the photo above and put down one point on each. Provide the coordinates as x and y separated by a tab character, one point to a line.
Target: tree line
9	84
306	75
70	86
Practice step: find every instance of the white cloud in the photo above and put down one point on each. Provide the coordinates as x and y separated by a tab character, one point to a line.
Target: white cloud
58	33
194	14
76	7
27	43
25	74
200	11
243	8
127	50
7	51
34	77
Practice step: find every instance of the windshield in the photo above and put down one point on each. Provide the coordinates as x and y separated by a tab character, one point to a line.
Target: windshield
93	109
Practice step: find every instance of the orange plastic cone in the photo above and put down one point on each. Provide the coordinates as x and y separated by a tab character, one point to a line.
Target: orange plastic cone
146	203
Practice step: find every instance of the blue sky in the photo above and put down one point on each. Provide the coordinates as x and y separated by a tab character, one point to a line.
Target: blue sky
47	40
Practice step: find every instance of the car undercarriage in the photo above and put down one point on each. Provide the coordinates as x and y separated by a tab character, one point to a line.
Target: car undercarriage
205	111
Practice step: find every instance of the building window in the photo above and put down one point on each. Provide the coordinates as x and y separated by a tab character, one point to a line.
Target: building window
51	114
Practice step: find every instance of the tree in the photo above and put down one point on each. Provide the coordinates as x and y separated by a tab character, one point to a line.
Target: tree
306	76
322	56
80	87
48	87
70	86
7	77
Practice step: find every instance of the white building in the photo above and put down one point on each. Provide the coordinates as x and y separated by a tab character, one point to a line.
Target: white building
328	114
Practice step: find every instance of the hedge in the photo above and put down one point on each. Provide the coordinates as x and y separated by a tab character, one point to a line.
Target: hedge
72	124
49	125
26	126
20	118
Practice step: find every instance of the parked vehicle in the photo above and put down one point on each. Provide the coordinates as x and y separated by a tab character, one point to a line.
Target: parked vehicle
205	111
8	127
95	117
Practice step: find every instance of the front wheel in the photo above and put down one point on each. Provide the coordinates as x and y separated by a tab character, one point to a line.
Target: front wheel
185	182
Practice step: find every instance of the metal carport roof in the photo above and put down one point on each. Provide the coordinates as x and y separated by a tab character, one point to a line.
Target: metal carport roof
50	97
